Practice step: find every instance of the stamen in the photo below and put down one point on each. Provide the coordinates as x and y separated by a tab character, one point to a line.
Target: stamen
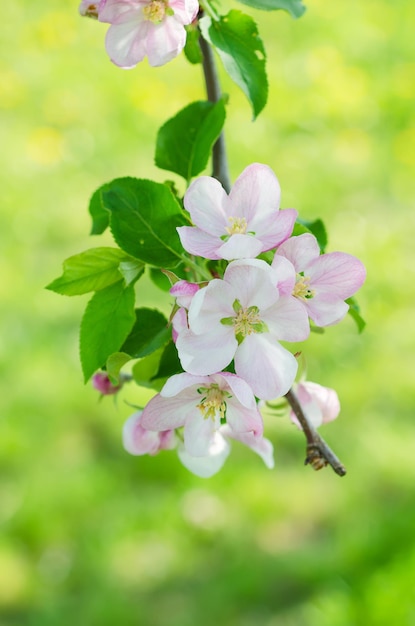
213	403
156	11
302	287
237	226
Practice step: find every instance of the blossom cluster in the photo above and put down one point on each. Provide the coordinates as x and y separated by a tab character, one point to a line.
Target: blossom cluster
143	28
228	331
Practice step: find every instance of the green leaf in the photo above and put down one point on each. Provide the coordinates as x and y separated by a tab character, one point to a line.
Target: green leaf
235	36
150	332
316	228
131	270
294	7
107	321
91	270
192	49
115	362
144	217
184	143
169	362
99	214
354	312
145	369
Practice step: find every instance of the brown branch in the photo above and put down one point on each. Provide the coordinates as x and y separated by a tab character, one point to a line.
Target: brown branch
213	90
318	452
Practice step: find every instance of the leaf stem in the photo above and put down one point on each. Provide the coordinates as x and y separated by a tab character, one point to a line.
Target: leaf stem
220	169
200	271
319	454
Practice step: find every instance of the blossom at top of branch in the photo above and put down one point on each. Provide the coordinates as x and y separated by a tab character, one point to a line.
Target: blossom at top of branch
240	225
152	28
242	318
323	281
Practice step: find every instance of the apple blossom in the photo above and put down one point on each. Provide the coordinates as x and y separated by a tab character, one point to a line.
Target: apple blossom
138	440
201	404
323	281
239	225
152	28
319	404
243	317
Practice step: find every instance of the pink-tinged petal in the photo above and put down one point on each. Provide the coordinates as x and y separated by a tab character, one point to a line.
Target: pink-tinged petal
184	291
326	398
253	282
179	323
337	274
119	11
266	366
243	420
287	320
259	444
184	10
310	408
320	404
256	192
205	200
324	311
274	229
168	440
165	41
199	434
136	439
208	353
240	247
241	390
126	43
206	466
286	273
300	250
196	241
180	382
167	413
211	304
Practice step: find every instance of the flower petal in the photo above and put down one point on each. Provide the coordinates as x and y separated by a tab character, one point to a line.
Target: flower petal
126	43
259	444
256	192
337	274
266	366
274	228
208	353
138	440
164	41
240	247
206	466
205	200
200	243
324	311
287	320
300	250
199	434
253	282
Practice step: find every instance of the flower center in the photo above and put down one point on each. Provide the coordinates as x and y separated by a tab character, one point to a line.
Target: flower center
237	226
156	11
213	402
246	322
302	287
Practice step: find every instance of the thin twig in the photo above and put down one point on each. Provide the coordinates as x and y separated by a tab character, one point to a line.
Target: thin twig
319	454
213	90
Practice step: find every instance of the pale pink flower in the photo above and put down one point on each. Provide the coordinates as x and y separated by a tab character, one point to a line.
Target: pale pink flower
239	225
138	440
320	404
200	403
323	281
208	465
152	28
243	317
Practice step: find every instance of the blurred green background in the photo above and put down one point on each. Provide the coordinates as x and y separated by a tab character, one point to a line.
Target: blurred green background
91	535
